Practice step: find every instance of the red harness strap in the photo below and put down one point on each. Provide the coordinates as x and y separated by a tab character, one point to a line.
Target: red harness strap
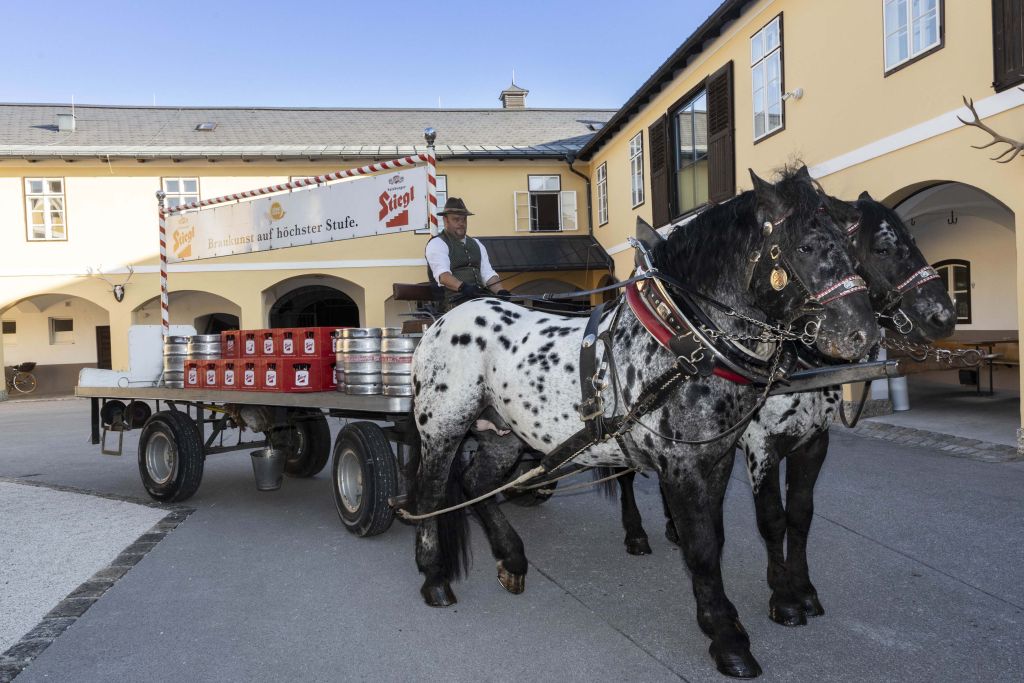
663	333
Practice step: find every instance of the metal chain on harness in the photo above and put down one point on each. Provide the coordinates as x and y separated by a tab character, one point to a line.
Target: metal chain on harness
921	352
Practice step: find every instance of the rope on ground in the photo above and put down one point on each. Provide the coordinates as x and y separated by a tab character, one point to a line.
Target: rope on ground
536	471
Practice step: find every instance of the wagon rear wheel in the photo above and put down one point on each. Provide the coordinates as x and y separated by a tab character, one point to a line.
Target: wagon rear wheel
365	475
171	456
307	438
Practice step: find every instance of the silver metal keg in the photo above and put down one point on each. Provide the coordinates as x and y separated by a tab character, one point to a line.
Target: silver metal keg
204	347
358	356
396	363
175	354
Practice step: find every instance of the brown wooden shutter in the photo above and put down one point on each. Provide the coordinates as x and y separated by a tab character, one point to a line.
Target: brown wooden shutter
661	172
1008	43
721	144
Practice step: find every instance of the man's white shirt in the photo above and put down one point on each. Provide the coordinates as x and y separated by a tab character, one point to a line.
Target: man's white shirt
440	263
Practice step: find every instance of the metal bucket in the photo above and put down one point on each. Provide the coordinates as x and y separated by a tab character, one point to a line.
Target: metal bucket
358	356
175	353
396	364
268	467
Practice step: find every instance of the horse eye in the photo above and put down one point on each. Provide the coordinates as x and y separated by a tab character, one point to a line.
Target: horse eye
804	249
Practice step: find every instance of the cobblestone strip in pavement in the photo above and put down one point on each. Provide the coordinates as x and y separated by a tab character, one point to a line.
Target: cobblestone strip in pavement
76	603
944	444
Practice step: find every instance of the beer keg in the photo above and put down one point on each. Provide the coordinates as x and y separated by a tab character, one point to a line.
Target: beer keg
358	356
396	351
175	353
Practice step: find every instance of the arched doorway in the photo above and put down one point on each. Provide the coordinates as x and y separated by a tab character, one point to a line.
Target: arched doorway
207	313
314	306
552	286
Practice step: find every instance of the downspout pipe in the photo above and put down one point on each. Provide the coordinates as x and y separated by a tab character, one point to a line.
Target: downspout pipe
570	159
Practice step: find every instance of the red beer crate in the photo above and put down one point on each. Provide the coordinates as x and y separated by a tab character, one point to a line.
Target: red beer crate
248	374
230	344
267	343
193	380
308	342
250	343
228	376
270	374
308	374
208	378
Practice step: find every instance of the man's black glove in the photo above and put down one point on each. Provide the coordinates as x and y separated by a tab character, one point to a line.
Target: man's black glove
504	294
471	290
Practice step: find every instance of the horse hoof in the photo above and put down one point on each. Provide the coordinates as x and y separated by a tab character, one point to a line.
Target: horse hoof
812	606
438	594
513	583
638	546
787	614
737	664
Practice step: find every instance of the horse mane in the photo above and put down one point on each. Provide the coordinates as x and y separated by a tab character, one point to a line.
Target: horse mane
717	243
874	212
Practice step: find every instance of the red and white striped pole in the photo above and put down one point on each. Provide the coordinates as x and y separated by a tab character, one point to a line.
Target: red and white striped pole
165	308
430	134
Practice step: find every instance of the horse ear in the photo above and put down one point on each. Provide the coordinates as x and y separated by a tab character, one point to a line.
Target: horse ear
865	197
802	173
646	234
768	196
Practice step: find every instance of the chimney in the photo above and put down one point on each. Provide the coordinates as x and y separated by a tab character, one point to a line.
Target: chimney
513	97
66	123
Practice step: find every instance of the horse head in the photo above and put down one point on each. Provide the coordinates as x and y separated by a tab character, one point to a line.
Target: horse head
804	269
900	279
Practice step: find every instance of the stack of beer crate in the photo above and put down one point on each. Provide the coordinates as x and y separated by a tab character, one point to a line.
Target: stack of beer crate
289	360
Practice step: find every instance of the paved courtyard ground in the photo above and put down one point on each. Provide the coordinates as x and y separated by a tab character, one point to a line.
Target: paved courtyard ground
918	557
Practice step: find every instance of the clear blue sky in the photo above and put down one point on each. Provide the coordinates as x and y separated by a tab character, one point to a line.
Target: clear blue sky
372	53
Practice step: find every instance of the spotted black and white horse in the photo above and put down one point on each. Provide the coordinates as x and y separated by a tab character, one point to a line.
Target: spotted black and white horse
909	296
519	369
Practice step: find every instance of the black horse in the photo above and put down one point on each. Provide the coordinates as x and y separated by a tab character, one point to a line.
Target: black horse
772	256
911	301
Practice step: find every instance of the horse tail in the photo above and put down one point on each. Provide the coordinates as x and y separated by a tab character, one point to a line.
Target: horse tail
453	527
609	488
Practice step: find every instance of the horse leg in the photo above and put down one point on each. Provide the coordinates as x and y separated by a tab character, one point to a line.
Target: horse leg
441	542
801	474
492	465
783	606
696	504
670	527
632	522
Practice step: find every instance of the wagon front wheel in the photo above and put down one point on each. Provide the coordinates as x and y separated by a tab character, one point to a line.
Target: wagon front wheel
171	456
365	475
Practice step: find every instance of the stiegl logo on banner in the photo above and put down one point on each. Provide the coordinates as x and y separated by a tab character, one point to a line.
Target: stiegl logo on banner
394	204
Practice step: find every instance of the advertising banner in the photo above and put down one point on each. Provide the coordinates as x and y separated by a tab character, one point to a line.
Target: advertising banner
362	207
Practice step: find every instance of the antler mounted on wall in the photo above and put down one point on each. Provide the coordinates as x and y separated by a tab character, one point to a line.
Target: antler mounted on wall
1014	147
118	288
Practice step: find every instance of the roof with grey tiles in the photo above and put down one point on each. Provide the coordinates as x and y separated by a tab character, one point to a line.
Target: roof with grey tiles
30	131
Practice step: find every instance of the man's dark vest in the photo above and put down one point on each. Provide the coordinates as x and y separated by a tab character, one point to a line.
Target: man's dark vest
464	258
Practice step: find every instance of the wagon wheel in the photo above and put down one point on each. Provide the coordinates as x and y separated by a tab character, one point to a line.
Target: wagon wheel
307	439
365	475
171	456
530	497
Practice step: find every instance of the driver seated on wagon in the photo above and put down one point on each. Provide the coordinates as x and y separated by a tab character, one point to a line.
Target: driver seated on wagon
457	263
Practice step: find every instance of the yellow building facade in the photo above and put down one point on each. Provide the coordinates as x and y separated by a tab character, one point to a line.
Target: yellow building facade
867	94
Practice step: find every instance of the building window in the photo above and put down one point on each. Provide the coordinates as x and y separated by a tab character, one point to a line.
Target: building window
691	133
181	191
10	332
1007	43
545	207
602	193
956	276
62	331
766	78
44	209
912	28
636	168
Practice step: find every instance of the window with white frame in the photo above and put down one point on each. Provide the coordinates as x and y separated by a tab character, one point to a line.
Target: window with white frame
766	78
956	276
44	209
10	332
442	197
545	207
636	168
912	28
602	193
62	331
181	191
